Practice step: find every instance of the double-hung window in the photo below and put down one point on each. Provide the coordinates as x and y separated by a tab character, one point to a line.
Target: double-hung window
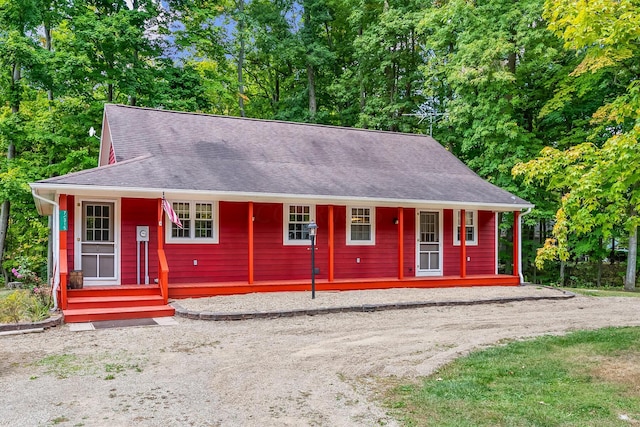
199	223
296	221
360	226
471	227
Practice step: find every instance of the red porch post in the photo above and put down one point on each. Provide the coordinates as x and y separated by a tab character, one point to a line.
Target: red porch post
160	226
64	268
463	243
163	266
516	243
400	243
331	244
250	242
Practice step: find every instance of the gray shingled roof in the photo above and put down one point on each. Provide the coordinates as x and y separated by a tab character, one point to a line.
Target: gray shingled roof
173	151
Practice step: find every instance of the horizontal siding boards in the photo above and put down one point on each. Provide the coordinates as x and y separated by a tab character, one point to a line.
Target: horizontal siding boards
273	260
222	262
71	233
228	260
482	255
135	212
451	254
379	260
409	242
483	259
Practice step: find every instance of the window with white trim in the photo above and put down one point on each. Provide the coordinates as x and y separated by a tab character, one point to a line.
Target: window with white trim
360	226
199	223
296	224
471	227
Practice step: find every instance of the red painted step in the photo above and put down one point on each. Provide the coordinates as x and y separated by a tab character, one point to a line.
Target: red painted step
124	290
116	313
113	301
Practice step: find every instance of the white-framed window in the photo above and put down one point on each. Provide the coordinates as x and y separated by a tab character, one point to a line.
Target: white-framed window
199	222
361	229
295	224
471	227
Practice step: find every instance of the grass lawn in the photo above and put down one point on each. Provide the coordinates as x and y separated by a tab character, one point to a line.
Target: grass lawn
5	292
587	378
604	292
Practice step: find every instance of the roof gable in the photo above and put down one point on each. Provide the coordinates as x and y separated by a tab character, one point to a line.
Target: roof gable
169	150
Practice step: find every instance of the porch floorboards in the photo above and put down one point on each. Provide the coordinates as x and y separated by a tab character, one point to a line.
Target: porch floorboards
198	290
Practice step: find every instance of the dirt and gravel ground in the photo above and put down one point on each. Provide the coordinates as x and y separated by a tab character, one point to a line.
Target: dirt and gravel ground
302	371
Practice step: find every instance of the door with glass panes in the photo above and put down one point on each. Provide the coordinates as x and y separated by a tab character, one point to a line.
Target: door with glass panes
96	249
429	244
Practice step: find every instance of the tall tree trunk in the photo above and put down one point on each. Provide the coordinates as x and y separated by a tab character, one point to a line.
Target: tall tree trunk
363	94
630	277
133	99
600	262
5	208
311	77
49	46
562	266
241	53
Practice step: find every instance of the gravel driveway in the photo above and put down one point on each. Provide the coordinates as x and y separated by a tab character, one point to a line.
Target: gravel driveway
302	371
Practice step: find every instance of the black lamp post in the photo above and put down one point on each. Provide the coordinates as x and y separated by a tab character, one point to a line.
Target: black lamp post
313	227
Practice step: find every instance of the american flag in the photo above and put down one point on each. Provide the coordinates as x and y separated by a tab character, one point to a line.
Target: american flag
173	216
112	155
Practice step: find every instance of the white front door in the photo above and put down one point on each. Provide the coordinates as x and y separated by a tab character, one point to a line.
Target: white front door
96	242
429	244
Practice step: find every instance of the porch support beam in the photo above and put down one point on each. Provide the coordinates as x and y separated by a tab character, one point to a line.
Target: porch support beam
62	256
463	243
331	244
163	267
250	227
400	243
160	226
516	243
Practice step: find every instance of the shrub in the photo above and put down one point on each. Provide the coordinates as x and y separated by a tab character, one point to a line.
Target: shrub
25	305
13	306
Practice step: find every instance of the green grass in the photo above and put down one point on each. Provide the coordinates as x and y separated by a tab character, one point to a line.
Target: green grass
604	292
589	378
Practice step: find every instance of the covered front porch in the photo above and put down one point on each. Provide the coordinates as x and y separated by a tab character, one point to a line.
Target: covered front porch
134	301
98	303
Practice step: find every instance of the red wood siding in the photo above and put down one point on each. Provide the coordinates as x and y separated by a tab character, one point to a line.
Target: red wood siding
276	261
381	259
409	242
481	256
225	261
71	248
135	212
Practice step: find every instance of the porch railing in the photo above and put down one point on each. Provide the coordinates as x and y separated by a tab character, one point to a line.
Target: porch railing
163	275
64	273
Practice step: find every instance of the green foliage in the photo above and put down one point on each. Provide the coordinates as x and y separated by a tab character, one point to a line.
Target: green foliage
22	305
496	84
547	381
14	306
598	178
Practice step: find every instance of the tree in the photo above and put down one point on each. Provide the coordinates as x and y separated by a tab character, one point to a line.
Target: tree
387	56
490	67
19	54
601	181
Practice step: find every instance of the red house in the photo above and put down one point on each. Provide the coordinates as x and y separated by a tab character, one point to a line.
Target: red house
388	208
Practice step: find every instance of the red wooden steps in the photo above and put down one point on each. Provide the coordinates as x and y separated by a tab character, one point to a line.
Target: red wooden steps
115	303
116	313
